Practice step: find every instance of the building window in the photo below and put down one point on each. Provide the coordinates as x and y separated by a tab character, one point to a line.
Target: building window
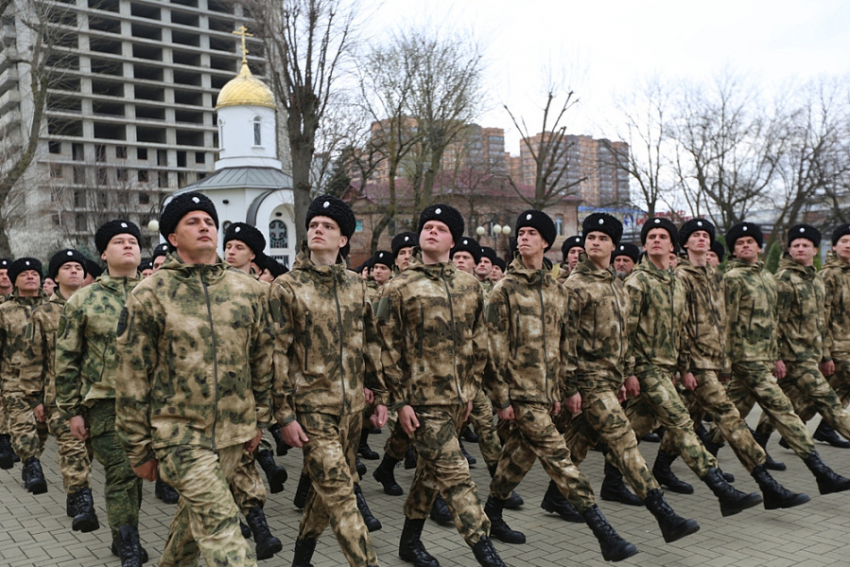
258	131
278	234
56	170
559	225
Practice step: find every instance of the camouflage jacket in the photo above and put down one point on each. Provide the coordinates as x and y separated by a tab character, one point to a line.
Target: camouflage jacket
86	364
657	318
486	286
750	313
326	346
836	336
563	272
433	335
704	344
800	316
39	366
598	319
15	316
195	353
527	332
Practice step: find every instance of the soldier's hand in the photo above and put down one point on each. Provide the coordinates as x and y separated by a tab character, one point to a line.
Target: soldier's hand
827	368
148	470
78	427
574	404
38	412
294	435
252	445
781	371
507	414
632	386
468	411
556	408
407	419
622	396
689	382
379	416
370	396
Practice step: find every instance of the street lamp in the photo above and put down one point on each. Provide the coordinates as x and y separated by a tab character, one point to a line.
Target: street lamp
497	229
480	231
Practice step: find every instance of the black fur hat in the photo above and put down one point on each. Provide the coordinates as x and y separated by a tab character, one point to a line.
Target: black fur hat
447	215
21	265
384	257
470	245
839	231
63	257
718	249
806	231
660	222
336	209
539	221
693	225
743	229
403	240
605	223
627	249
247	234
110	229
182	205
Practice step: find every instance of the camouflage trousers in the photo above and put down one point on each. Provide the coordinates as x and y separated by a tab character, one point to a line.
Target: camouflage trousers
207	519
123	490
4	429
481	419
754	382
247	484
602	419
810	393
531	436
28	435
659	401
74	459
840	381
397	442
710	397
442	468
329	460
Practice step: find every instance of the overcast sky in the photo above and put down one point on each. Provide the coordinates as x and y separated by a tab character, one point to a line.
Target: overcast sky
602	47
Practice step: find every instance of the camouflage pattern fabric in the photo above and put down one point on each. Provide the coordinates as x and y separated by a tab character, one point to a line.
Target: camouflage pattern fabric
74	459
28	435
836	337
206	522
800	314
704	344
247	485
195	351
751	303
329	460
441	468
481	419
397	442
840	381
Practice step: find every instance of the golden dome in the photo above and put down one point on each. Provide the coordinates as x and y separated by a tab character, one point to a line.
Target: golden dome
245	90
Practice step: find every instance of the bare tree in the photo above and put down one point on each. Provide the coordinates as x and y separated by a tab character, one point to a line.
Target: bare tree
307	43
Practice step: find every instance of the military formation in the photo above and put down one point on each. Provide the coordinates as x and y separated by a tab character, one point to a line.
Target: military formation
195	371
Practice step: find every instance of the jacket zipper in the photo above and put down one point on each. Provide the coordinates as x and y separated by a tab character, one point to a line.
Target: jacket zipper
545	352
623	336
215	355
339	326
452	323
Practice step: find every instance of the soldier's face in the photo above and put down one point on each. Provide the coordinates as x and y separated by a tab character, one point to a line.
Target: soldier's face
324	235
699	241
674	261
484	267
803	251
598	246
28	282
464	261
195	235
746	249
70	275
381	273
658	245
266	276
48	285
496	273
712	258
122	252
238	255
572	256
841	248
158	262
4	279
623	265
435	238
403	258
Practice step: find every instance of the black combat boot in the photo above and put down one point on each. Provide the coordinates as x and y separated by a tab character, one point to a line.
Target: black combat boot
372	523
267	544
128	547
665	477
440	512
385	474
361	468
731	501
304	549
486	554
281	446
828	480
33	476
410	458
275	474
364	450
467	434
554	501
85	518
614	548
165	492
614	489
775	495
512	502
469	458
302	491
7	455
410	547
246	531
769	464
500	529
673	526
709	445
827	434
70	505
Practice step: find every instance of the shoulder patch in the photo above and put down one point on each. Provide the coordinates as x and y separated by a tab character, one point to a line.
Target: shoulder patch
122	323
385	306
277	314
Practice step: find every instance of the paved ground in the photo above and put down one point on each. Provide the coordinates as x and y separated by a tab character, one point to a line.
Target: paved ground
35	531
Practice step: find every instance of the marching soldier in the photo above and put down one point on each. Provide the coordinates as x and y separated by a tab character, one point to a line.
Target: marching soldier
402	246
571	249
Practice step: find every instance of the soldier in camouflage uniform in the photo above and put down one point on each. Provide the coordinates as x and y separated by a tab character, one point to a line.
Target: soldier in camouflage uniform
67	268
598	310
528	331
657	322
752	350
326	352
624	259
87	372
21	396
570	251
801	325
484	268
7	455
6	285
703	358
195	352
432	366
499	269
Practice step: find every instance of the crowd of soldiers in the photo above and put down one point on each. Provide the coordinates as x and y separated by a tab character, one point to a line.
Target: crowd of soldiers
170	370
